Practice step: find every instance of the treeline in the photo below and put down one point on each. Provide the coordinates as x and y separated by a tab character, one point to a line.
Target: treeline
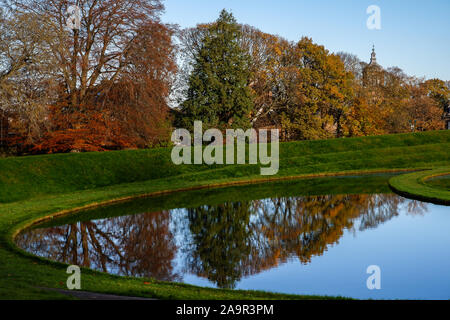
102	86
124	80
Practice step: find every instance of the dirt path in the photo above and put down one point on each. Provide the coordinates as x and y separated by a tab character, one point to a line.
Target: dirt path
85	295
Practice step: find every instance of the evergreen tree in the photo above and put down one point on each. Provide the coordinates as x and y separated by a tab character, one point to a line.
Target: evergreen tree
218	92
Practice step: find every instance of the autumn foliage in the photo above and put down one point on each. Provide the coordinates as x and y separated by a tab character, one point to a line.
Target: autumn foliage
125	79
111	77
86	130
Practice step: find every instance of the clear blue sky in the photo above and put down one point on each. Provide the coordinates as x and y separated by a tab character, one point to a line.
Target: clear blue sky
414	35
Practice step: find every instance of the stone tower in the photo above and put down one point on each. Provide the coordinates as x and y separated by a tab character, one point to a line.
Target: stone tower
373	74
446	118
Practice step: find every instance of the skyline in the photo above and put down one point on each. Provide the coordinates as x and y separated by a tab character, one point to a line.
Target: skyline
414	36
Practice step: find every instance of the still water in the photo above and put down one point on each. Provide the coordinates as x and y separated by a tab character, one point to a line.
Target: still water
279	238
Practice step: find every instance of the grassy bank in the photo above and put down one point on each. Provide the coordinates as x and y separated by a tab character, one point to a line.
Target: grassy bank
422	186
36	187
29	177
440	182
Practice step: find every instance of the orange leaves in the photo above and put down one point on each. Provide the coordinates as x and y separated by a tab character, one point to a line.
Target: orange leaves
90	130
108	83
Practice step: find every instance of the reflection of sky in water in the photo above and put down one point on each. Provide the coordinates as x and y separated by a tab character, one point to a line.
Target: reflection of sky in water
411	249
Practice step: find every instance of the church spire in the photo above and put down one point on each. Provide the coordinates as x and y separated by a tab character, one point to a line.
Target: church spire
373	75
373	57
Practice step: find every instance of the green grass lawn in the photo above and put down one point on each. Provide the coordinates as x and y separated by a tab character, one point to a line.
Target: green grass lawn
37	187
441	182
430	185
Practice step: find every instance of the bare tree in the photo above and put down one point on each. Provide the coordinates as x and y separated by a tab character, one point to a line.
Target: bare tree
99	48
118	50
26	72
352	64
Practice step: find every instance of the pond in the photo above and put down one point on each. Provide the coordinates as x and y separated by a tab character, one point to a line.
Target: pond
314	236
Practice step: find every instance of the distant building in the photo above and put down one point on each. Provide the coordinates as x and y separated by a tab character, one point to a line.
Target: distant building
446	118
373	73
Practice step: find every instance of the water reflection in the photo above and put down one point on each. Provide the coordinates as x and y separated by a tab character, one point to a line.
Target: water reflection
137	245
223	243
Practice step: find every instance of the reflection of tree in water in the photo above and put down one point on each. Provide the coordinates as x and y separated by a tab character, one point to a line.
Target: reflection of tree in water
137	245
222	243
382	208
238	239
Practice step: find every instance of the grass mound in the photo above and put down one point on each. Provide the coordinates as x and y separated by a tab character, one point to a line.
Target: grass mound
29	177
442	182
418	186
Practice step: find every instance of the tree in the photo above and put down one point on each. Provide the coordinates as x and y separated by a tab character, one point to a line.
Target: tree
116	68
361	118
27	83
264	51
352	64
423	110
268	61
319	93
218	91
98	50
390	99
439	91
